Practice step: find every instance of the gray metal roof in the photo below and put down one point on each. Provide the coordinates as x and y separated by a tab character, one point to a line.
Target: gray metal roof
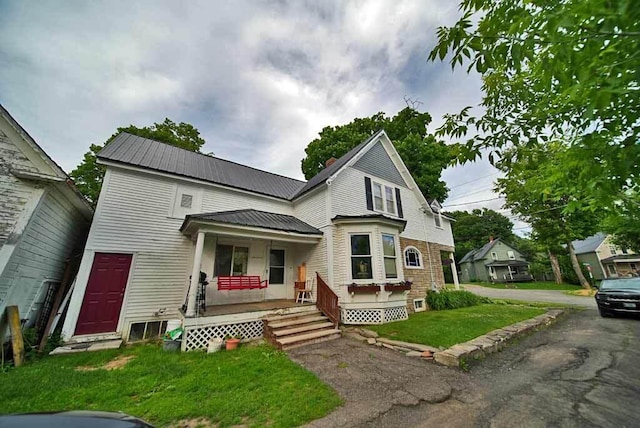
590	244
479	253
145	153
327	172
255	218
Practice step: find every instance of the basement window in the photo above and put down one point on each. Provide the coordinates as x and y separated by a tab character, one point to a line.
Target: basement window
150	330
418	305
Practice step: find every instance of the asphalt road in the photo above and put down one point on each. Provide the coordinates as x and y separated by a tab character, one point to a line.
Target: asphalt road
533	295
581	372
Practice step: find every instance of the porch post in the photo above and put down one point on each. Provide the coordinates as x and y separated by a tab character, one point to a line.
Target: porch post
195	276
454	271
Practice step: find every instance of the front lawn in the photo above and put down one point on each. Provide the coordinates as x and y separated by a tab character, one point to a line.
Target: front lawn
532	286
252	386
446	328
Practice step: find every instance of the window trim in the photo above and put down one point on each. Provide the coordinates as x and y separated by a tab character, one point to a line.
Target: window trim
494	255
233	255
369	235
385	203
511	255
419	254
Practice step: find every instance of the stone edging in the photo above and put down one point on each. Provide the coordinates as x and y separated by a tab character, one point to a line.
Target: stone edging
489	343
493	341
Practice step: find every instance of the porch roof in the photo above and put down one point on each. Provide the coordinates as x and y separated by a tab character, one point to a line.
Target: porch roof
622	258
504	263
250	222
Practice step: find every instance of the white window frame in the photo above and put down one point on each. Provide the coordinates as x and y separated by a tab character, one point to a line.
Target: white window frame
419	305
419	255
383	195
394	257
511	255
437	218
233	256
612	269
370	255
494	255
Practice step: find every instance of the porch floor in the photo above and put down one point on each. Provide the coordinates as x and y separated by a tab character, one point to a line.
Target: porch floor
238	308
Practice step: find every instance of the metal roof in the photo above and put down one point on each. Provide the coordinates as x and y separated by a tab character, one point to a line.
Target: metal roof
327	172
255	218
145	153
590	244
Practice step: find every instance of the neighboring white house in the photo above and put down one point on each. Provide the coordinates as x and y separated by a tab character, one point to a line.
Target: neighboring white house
165	214
43	221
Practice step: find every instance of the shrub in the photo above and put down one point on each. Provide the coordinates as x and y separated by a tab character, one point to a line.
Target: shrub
452	299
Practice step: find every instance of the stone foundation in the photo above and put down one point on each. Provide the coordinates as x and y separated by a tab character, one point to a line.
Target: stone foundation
422	277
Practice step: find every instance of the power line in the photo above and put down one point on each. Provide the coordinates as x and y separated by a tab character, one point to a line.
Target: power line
474	180
474	202
472	193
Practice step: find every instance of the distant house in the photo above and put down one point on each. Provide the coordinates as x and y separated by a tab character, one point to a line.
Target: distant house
43	221
497	261
219	246
605	259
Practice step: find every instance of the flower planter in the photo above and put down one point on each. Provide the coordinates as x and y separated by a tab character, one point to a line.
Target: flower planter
363	288
231	344
397	287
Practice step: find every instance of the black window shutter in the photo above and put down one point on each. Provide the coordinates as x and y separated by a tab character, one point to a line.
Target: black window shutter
399	201
367	189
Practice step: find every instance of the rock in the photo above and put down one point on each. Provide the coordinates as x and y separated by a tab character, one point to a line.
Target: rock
411	346
386	345
413	354
371	341
427	354
355	336
446	359
368	333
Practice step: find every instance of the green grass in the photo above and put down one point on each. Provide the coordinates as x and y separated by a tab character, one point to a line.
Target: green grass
546	305
252	386
446	328
532	286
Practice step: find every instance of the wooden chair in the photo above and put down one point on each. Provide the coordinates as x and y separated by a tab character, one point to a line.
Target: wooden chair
304	290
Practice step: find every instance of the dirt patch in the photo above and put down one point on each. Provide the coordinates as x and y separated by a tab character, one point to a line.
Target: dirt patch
194	423
584	292
117	363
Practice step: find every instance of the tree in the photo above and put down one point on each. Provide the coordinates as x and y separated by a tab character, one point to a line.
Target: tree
553	70
475	229
623	221
424	157
88	174
531	191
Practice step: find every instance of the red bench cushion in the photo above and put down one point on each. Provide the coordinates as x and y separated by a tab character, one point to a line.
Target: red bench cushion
246	282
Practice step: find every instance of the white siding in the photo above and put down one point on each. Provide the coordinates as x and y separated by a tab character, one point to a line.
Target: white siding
51	235
218	199
313	209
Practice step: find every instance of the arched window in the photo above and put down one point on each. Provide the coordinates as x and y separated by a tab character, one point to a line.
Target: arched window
412	257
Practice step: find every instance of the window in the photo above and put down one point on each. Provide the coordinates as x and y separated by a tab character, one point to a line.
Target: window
412	257
612	269
391	202
186	200
437	217
613	249
633	266
231	260
276	267
377	197
389	255
511	255
384	198
361	257
494	255
418	305
624	251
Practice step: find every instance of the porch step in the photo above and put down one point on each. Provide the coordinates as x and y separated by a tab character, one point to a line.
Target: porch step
295	330
302	329
311	311
298	321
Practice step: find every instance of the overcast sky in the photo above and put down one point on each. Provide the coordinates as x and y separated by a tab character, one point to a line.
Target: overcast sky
258	79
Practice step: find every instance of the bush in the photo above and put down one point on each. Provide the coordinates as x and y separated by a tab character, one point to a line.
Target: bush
452	299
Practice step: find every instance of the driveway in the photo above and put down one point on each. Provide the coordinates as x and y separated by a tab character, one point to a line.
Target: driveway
552	296
580	372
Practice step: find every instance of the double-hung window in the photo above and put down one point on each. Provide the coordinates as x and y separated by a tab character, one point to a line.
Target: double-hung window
389	254
361	257
378	202
384	198
231	260
511	255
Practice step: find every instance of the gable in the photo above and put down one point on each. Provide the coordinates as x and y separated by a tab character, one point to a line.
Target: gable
376	161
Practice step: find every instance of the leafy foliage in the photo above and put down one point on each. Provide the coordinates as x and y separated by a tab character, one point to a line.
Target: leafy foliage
424	157
452	299
554	72
88	175
474	229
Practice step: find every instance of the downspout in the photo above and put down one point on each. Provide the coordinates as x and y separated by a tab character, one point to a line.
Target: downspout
434	286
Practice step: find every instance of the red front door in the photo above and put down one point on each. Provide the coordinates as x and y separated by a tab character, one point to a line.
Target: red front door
103	297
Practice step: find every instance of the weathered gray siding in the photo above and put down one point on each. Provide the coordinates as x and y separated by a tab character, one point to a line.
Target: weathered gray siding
377	162
49	238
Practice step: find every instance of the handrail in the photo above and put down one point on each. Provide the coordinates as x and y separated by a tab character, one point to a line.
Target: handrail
327	301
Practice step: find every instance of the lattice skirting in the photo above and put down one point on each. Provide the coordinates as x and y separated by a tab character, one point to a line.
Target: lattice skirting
197	337
374	316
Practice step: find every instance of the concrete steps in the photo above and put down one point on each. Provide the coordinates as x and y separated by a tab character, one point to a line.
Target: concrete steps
295	330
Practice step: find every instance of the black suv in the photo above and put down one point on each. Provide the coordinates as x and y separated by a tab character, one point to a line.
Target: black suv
619	296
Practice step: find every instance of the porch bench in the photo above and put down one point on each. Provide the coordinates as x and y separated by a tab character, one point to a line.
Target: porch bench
245	282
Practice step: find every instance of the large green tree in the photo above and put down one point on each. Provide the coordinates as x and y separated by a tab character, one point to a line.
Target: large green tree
531	191
553	70
88	174
474	229
424	156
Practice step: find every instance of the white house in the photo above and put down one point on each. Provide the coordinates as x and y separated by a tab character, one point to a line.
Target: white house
43	221
360	229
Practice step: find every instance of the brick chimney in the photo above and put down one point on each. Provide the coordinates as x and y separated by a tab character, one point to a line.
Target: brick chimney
329	162
490	238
